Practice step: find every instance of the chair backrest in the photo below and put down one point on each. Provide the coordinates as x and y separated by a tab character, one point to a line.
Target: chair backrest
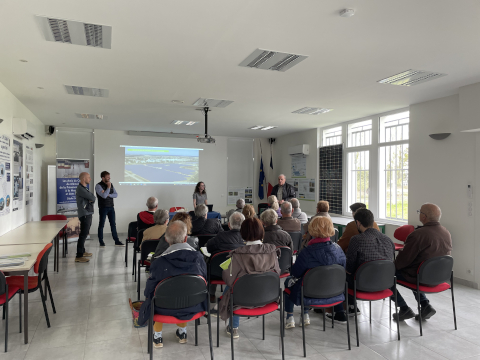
214	268
436	270
139	238
256	289
210	207
262	207
42	259
132	230
53	217
176	208
182	291
403	231
147	247
375	275
203	238
296	239
323	282
285	260
334	238
3	283
225	227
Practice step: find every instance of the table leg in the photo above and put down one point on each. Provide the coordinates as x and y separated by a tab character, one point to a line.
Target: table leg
58	251
25	306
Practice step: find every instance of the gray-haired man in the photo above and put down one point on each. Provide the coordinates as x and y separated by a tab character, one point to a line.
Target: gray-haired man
240	205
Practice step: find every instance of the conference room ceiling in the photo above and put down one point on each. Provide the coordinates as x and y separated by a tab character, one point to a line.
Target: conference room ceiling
186	50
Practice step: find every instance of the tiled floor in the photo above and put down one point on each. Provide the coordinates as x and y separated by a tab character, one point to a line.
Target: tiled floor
93	321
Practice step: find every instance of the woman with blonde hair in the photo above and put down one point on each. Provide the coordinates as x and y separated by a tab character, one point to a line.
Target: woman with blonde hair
249	212
320	251
273	203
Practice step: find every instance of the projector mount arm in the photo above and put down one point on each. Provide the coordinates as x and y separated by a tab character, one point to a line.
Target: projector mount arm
205	111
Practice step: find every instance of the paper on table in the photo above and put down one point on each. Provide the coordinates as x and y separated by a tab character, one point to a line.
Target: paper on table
10	263
12	256
205	252
226	264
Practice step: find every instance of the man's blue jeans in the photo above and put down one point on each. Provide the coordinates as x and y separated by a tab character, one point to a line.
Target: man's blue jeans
236	319
104	212
400	300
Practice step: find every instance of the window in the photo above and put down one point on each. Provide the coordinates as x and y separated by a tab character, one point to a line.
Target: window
358	177
360	133
332	136
394	127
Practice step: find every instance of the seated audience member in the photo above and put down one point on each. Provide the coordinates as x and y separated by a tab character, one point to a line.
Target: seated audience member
369	245
351	228
240	205
191	240
273	203
160	218
322	210
249	212
226	241
145	218
297	212
274	233
202	225
179	259
287	222
319	252
430	240
253	258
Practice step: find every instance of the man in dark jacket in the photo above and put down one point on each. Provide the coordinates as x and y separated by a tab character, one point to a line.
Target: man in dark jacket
430	240
145	218
202	225
274	233
283	191
85	200
226	241
179	259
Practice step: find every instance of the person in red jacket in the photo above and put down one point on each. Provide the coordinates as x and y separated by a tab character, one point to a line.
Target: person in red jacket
145	218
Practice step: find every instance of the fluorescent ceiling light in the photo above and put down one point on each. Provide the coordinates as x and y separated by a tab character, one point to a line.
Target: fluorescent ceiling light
268	127
256	127
411	78
91	116
261	127
212	103
183	122
272	60
311	111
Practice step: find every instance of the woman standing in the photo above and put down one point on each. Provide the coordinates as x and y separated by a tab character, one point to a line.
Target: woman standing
200	195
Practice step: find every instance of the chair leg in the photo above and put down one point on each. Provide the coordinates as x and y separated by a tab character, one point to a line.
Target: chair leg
453	302
370	310
44	305
138	283
282	310
333	315
50	292
419	311
133	265
150	340
263	327
209	321
5	312
196	332
348	323
396	306
355	310
3	316
218	325
324	319
20	310
282	325
231	325
126	254
303	323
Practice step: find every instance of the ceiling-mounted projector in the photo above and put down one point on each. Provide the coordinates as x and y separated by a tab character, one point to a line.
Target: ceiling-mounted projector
206	140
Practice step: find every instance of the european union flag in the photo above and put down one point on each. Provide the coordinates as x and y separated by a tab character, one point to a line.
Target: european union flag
261	180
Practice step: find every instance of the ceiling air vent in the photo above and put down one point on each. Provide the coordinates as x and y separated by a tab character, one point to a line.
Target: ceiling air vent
86	91
272	60
91	116
311	111
212	103
411	78
75	32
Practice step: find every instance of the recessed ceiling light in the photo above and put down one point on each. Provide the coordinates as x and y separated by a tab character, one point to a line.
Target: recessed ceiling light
41	88
178	101
268	127
311	111
191	123
271	60
411	78
212	103
57	113
256	127
91	116
183	122
261	127
23	60
86	91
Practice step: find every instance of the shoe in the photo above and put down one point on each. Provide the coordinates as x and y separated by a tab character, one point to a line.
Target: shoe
404	315
81	260
102	245
427	312
87	254
306	320
351	310
235	332
158	342
119	243
182	338
214	312
213	299
318	310
340	317
290	323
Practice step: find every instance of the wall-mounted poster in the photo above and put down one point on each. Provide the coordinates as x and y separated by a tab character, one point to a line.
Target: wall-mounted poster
28	175
304	188
17	175
5	172
299	166
235	193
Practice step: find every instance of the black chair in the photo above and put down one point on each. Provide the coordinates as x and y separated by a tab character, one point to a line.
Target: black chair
147	247
131	237
323	282
203	239
373	281
432	277
334	238
262	207
285	261
179	292
214	270
296	239
225	227
256	295
136	249
6	294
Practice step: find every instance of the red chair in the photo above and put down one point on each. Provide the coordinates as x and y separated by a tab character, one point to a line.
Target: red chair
35	282
176	208
62	233
373	281
131	237
11	291
285	261
432	277
401	234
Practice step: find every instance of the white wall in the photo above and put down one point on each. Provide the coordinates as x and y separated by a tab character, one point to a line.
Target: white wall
11	107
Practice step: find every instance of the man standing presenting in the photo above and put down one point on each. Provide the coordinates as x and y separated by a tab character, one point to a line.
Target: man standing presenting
105	194
85	200
283	191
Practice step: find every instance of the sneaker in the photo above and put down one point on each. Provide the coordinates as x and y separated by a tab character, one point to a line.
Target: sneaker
318	310
214	312
404	315
158	342
427	312
119	243
306	320
290	323
235	332
351	310
102	245
87	254
81	260
182	338
340	317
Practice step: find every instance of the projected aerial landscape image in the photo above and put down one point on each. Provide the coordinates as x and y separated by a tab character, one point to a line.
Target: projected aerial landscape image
161	165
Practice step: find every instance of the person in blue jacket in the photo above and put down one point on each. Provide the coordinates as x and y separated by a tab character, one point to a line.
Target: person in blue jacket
320	251
179	259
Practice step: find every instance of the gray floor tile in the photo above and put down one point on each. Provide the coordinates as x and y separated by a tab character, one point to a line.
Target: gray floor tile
127	348
71	352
